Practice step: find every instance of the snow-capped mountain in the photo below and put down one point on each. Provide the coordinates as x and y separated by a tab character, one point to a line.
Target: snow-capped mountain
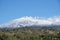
29	21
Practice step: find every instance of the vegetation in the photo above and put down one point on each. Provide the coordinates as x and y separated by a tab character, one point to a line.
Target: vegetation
29	33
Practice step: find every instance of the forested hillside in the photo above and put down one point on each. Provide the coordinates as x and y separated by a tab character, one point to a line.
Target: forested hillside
29	33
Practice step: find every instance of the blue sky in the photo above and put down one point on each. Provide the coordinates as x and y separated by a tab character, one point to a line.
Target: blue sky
12	9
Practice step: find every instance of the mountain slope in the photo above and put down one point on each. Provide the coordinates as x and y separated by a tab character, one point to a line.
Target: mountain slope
30	21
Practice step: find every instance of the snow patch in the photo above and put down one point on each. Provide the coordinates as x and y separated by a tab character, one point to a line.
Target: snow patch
29	21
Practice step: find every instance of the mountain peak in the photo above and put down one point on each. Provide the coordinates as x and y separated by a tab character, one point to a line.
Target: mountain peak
29	21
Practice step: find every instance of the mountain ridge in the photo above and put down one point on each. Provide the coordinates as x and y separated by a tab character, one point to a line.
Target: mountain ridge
30	21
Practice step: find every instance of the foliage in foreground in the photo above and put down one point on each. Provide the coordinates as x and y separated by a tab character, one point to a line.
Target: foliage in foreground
30	34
